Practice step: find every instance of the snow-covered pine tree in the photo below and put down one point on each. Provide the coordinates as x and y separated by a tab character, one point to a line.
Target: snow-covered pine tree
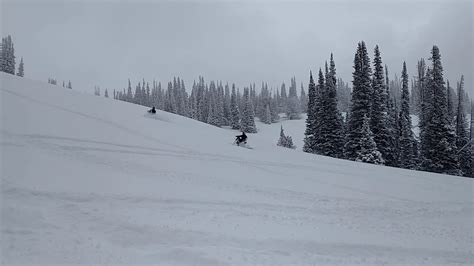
267	116
407	141
106	94
181	96
213	117
96	91
368	152
285	141
240	102
311	118
192	103
393	116
205	110
419	85
69	85
282	105
220	105
227	116
392	124
260	103
360	102
154	95
451	98
143	94
21	69
253	97
200	100
463	140
303	100
3	55
8	56
275	117
343	96
293	104
379	112
148	96
330	140
161	97
247	123
137	97
129	97
234	110
438	136
170	102
185	97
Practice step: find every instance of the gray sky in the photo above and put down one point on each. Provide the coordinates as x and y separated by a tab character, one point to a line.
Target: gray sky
106	42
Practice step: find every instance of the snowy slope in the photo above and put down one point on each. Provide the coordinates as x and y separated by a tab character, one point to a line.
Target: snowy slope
87	179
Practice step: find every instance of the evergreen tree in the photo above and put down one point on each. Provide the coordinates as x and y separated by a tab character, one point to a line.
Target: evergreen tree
282	105
463	140
200	100
129	92
392	124
379	112
407	140
360	103
247	123
285	141
420	85
438	136
21	70
343	96
227	113
303	100
234	110
220	105
7	56
267	117
275	117
368	152
106	94
213	114
312	118
329	139
170	102
69	85
3	53
52	81
451	96
293	104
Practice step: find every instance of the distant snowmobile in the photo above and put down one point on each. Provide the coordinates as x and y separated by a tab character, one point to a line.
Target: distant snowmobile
241	141
152	110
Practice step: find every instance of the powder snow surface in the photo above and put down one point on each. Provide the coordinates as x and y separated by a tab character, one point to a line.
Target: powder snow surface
86	179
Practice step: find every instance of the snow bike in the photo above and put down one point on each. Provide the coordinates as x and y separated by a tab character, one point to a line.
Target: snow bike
240	143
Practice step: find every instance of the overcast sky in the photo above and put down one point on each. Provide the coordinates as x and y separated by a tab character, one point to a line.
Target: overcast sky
106	42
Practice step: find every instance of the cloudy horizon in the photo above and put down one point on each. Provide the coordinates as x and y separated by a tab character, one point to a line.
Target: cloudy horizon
106	43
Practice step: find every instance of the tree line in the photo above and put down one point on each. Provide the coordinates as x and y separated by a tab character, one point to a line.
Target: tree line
378	128
8	58
220	104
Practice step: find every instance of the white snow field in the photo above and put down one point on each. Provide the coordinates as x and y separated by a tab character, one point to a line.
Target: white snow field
90	180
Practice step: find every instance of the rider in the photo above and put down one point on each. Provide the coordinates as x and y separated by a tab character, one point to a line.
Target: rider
153	111
241	138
